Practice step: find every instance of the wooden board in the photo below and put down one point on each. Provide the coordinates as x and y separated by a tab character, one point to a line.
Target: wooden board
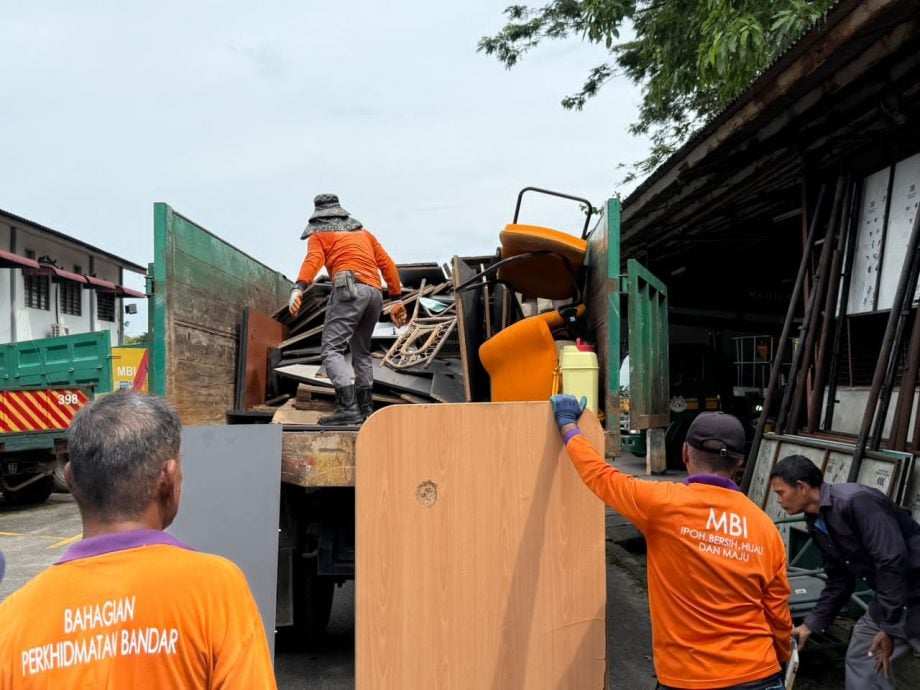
469	328
288	414
318	458
480	552
304	372
409	383
447	387
201	285
258	334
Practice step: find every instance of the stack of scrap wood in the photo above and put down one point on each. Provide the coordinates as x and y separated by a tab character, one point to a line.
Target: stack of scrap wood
427	361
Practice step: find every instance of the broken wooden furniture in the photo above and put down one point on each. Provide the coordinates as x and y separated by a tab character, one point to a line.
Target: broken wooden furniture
423	337
481	552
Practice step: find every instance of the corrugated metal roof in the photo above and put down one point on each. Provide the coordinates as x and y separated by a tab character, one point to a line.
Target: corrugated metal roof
124	263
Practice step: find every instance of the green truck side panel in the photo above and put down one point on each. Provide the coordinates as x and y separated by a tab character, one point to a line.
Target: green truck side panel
156	310
613	296
83	360
30	440
200	286
648	348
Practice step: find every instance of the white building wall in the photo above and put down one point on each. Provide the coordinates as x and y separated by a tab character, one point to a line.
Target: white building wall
18	322
7	276
109	271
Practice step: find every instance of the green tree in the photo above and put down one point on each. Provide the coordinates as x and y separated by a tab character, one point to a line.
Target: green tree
141	339
690	57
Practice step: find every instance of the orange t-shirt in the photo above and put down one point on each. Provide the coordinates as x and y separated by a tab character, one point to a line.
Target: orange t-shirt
717	585
149	614
358	251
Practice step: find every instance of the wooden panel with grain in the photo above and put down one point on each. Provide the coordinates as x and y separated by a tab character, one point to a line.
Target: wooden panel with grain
207	283
480	552
261	334
318	458
470	330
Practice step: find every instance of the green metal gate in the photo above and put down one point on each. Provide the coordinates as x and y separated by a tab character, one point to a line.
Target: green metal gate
648	348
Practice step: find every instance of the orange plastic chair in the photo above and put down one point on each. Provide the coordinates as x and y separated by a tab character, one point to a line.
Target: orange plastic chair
538	261
553	260
522	360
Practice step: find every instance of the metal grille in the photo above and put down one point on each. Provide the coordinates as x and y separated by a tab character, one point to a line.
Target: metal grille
37	290
71	299
105	306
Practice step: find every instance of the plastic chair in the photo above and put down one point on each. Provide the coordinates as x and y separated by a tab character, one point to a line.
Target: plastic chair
538	261
521	359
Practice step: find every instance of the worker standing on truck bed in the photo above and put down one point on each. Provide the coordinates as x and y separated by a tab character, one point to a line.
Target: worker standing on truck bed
130	606
862	535
717	586
354	259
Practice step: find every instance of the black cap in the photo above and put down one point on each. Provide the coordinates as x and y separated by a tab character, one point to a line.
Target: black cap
717	432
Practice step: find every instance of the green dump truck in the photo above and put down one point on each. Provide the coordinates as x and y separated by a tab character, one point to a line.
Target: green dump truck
198	287
43	384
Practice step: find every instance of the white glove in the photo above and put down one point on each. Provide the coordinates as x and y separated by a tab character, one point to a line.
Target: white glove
295	301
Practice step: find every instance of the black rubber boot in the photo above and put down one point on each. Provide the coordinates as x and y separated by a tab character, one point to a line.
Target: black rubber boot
346	409
366	401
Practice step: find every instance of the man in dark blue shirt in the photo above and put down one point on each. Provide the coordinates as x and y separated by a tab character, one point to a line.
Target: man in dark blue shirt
861	534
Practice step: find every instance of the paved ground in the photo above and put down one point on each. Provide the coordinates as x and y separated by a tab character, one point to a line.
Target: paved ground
33	538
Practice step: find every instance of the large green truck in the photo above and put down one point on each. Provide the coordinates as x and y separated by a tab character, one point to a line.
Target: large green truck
198	286
43	384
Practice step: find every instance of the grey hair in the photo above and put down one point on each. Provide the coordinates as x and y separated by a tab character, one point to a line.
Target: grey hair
118	446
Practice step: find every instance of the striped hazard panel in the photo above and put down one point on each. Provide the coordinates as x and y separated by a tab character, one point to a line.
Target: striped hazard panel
40	410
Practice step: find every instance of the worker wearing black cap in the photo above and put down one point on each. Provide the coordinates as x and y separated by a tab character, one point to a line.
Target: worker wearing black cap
717	585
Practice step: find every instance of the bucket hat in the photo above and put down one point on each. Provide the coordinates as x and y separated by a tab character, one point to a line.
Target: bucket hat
329	216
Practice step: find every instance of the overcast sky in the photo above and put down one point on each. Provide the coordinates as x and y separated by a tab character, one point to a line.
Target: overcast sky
237	114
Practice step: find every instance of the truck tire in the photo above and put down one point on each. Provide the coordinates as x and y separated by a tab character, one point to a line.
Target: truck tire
674	444
60	484
36	492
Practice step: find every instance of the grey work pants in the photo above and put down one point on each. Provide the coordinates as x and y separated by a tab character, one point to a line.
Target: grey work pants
860	667
350	322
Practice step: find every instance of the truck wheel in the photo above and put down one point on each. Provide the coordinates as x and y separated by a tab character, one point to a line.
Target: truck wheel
60	484
674	444
36	492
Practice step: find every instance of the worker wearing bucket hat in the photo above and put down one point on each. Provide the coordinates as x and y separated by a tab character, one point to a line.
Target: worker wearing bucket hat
354	260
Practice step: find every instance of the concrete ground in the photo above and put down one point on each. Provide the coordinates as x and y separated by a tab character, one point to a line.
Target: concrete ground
32	538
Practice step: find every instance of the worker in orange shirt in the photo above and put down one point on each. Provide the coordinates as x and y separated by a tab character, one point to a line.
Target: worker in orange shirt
717	585
130	606
354	260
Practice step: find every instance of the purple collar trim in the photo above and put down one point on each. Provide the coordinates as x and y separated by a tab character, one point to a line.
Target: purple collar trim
712	480
119	541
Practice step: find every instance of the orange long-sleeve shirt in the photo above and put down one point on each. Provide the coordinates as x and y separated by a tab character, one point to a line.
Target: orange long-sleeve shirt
358	251
717	586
